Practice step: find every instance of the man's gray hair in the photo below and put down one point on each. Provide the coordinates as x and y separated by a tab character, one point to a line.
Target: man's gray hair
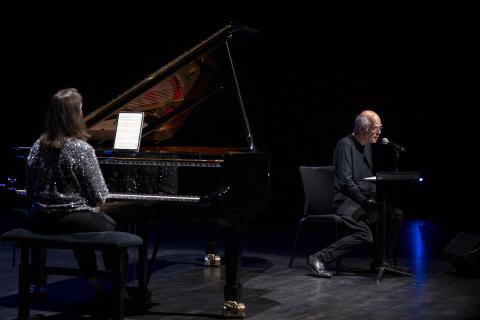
361	121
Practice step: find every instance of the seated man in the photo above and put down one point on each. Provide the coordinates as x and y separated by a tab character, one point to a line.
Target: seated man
354	200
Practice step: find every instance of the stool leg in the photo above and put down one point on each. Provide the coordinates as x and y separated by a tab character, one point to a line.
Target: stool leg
118	284
24	284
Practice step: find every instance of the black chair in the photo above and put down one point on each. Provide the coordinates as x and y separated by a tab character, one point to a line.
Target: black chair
318	206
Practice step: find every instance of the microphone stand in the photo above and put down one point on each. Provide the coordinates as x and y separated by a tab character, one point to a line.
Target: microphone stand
397	160
396	203
384	267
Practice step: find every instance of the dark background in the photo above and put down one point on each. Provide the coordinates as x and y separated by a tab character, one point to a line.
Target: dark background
305	77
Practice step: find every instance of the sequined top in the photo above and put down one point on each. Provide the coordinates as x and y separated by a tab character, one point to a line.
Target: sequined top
67	179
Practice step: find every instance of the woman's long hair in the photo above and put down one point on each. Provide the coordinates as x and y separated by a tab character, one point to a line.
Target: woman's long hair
64	119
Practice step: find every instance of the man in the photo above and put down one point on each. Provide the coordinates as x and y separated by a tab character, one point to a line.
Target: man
354	199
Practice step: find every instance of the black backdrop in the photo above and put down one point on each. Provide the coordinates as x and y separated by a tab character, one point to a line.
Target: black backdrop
305	77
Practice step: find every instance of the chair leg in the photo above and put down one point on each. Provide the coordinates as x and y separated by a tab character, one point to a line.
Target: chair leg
339	260
395	255
297	236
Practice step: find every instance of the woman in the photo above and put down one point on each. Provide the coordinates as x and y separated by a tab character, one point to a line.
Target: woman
64	181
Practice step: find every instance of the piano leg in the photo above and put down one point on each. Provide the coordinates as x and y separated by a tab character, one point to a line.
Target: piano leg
233	264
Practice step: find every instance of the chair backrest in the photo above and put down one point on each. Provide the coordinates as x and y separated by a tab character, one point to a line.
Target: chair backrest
318	189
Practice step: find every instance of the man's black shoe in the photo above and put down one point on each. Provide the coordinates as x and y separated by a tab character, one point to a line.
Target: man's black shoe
317	267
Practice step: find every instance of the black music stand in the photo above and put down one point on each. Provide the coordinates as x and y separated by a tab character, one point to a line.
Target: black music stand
380	178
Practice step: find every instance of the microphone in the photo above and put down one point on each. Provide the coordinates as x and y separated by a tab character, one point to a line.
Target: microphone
244	28
385	141
251	30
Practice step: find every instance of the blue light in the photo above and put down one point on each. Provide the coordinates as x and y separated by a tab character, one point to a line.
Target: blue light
418	251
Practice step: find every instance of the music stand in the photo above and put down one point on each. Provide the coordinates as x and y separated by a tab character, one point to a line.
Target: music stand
380	178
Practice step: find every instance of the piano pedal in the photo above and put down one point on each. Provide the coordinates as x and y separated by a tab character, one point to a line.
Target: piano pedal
212	260
233	309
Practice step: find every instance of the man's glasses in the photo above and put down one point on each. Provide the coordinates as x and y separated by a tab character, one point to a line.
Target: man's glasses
377	129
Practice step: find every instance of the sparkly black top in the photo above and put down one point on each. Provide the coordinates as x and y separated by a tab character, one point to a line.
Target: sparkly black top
67	179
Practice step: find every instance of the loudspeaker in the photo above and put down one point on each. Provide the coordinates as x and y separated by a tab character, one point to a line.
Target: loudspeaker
464	253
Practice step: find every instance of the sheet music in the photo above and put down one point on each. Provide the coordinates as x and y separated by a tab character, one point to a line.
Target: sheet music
129	131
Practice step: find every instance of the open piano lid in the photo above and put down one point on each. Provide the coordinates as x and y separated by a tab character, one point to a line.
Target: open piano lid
167	96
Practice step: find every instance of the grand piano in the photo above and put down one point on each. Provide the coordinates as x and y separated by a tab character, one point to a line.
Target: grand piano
186	167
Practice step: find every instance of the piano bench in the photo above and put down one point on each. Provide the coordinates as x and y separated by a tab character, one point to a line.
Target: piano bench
114	241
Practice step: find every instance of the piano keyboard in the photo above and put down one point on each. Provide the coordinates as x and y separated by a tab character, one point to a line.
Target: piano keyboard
152	197
138	197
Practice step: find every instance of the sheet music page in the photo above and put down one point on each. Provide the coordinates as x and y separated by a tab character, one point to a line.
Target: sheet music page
129	131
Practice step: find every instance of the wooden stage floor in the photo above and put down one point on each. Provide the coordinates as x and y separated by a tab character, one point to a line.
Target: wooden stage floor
184	289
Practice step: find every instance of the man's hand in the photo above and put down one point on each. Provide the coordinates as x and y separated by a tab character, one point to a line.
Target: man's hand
369	204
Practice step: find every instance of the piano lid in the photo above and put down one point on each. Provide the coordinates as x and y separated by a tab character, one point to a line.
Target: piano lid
168	95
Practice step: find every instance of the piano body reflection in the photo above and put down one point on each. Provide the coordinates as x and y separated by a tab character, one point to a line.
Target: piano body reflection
182	169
